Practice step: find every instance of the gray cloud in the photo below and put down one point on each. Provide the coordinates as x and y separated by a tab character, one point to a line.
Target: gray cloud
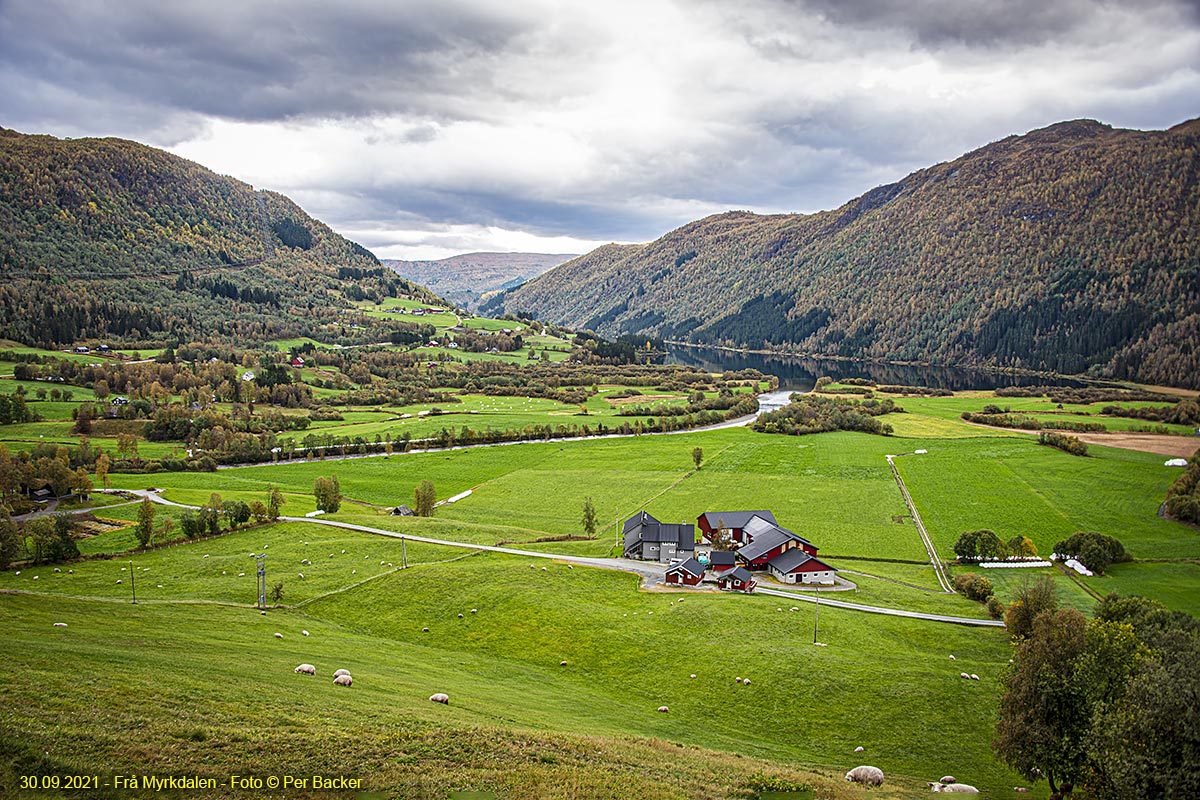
612	121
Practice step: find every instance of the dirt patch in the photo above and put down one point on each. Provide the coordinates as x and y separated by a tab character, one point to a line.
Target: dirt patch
1174	446
641	399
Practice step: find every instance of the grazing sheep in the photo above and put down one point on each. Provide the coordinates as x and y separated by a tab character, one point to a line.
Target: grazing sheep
300	575
70	572
304	633
343	552
241	574
35	577
279	636
474	610
964	676
974	677
859	749
160	586
56	569
460	616
745	681
693	676
948	779
954	788
681	599
562	663
663	709
340	672
440	697
737	680
343	680
1021	789
424	630
118	580
872	776
206	555
952	657
60	624
306	669
795	608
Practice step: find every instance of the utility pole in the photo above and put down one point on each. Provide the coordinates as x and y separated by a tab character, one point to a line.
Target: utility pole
817	615
132	586
404	551
262	579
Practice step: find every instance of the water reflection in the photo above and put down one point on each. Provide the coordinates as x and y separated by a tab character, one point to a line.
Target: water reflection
800	374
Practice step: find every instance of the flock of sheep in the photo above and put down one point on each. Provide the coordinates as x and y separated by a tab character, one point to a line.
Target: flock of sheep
342	677
873	776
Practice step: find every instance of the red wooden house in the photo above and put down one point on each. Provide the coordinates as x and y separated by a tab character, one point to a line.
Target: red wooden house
733	521
737	579
686	573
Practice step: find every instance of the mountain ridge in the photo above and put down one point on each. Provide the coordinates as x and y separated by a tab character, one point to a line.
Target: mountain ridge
467	277
1070	248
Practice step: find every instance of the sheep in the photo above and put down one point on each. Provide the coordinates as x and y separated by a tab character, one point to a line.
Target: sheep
460	616
954	788
304	633
35	577
118	580
305	669
474	610
859	749
873	776
964	676
300	575
241	574
952	657
663	709
60	624
562	663
56	569
343	680
340	672
693	676
440	697
343	552
206	555
974	677
745	681
424	630
948	779
737	679
70	572
278	635
1021	789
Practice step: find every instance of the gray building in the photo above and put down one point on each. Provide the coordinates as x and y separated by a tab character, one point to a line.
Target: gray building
650	540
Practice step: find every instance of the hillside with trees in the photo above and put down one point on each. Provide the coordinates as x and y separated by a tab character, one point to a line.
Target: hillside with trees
1072	248
466	278
110	239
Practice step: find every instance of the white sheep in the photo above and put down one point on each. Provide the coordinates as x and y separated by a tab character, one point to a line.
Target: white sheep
304	633
954	788
338	673
663	709
60	624
952	657
964	676
300	575
460	616
306	669
693	676
974	677
948	779
343	680
474	610
859	749
872	776
424	630
241	574
562	663
745	681
440	697
279	636
56	569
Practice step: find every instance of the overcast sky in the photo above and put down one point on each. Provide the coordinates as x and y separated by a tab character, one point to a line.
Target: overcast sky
425	129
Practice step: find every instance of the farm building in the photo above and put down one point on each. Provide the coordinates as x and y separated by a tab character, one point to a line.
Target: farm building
733	521
298	361
758	527
650	540
720	562
686	573
797	566
737	579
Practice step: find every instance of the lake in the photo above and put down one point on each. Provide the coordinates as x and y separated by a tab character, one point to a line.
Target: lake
800	374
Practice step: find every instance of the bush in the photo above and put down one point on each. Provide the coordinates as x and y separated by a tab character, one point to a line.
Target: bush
995	607
1094	550
973	586
1068	444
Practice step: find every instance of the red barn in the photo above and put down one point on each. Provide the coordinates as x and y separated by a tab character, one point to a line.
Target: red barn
797	566
737	579
686	573
733	521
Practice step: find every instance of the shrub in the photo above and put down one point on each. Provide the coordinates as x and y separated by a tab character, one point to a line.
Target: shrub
995	607
1068	444
1095	551
973	586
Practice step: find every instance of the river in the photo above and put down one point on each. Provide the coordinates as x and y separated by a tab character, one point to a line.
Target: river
800	374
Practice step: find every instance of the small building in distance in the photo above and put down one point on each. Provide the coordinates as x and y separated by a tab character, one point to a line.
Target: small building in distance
733	521
687	573
720	562
797	566
737	579
650	540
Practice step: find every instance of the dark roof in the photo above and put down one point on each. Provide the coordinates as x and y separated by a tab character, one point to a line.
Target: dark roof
737	574
758	526
684	533
765	542
691	566
640	518
722	558
735	519
789	560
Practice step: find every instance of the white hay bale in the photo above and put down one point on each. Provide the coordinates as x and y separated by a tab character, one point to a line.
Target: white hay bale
440	697
663	709
872	776
343	680
339	672
306	669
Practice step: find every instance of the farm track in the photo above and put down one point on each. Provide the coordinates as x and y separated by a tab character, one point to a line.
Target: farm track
938	568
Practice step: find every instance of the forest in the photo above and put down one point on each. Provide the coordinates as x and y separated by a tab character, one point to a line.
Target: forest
1070	249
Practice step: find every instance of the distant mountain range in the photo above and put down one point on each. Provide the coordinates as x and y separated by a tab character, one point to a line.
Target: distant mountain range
108	238
1073	248
467	278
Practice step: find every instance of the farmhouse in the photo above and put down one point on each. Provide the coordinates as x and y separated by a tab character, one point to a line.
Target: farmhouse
298	361
737	579
686	573
650	540
720	562
732	521
797	566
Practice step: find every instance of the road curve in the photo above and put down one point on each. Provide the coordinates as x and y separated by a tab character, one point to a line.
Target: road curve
642	568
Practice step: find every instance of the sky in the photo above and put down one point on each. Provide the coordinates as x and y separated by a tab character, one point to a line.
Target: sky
422	129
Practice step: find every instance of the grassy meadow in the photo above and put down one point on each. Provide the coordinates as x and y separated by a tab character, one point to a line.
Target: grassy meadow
191	680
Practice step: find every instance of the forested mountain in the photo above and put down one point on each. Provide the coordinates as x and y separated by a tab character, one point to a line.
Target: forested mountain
467	278
107	238
1072	248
